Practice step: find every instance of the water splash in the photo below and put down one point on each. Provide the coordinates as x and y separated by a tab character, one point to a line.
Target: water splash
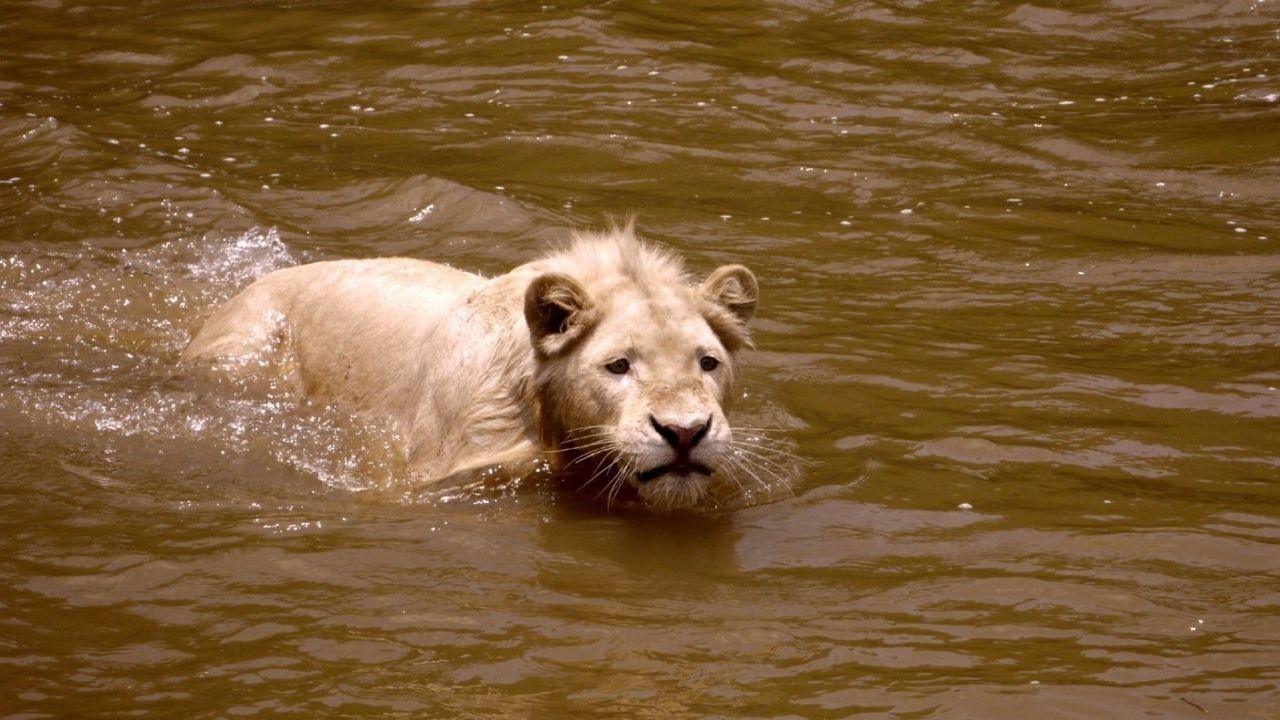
92	340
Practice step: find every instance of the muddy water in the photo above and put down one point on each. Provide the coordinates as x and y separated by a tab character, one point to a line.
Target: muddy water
1021	270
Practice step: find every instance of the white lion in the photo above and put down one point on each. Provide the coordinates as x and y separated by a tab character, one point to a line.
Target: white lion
601	358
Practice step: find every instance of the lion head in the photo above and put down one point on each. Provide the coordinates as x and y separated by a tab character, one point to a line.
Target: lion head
635	365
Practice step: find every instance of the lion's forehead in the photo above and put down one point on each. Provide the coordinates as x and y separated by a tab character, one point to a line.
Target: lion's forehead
664	320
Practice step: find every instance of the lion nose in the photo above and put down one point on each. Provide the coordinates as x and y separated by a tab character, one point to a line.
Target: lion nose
681	437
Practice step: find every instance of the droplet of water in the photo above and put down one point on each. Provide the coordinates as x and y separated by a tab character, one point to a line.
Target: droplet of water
423	214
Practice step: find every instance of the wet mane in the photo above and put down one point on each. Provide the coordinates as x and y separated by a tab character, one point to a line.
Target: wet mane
593	258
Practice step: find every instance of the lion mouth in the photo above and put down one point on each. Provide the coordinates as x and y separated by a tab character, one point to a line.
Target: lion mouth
677	468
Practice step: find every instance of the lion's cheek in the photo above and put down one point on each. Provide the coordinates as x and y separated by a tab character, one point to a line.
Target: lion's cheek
586	405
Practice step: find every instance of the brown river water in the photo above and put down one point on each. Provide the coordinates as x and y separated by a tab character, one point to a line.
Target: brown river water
1020	267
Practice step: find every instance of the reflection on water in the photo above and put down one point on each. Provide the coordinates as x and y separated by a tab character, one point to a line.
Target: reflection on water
1020	280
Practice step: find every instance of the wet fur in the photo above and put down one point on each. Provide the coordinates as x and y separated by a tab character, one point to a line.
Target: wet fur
473	372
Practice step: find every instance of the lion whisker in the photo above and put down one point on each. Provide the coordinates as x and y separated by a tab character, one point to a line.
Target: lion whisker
587	444
617	482
732	464
587	430
592	445
760	459
594	454
763	484
740	465
750	462
602	470
770	451
765	429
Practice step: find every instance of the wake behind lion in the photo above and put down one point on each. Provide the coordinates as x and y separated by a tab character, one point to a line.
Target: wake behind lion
602	358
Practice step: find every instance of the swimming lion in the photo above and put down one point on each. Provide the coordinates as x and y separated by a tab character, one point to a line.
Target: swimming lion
600	357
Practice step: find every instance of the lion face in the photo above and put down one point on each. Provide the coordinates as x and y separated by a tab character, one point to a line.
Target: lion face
634	373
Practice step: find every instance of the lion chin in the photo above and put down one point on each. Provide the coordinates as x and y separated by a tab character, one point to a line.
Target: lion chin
603	358
674	491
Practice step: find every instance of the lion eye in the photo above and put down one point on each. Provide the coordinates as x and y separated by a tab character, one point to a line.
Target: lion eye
618	367
708	363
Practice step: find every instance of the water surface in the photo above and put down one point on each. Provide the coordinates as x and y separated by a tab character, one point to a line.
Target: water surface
1021	309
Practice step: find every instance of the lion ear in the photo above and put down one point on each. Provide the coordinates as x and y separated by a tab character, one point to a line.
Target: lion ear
558	312
734	288
729	298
